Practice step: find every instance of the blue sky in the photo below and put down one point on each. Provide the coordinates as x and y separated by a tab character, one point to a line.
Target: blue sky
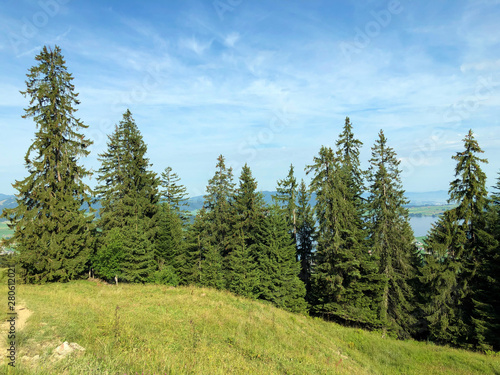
264	82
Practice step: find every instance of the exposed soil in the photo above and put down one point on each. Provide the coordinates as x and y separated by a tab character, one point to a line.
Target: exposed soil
22	316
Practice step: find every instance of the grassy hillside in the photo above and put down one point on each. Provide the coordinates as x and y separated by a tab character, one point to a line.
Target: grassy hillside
4	230
148	329
430	210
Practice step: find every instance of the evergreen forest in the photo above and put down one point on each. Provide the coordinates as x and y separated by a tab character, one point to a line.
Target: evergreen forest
350	258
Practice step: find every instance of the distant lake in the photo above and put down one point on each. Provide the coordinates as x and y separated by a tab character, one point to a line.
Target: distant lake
421	225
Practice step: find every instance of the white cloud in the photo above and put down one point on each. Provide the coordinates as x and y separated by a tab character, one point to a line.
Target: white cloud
231	39
481	66
194	45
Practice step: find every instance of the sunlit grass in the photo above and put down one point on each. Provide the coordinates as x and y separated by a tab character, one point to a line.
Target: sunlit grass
151	329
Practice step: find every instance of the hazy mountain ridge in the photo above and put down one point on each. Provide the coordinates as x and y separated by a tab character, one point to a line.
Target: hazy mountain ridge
195	203
428	198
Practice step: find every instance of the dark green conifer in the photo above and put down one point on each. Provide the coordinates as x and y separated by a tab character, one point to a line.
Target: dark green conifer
345	285
391	238
52	233
286	198
305	235
277	265
193	252
129	198
441	288
248	212
174	193
172	217
468	320
348	148
209	240
211	268
491	270
218	205
170	236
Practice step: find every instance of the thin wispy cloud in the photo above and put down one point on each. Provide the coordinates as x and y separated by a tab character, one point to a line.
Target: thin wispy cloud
231	39
200	84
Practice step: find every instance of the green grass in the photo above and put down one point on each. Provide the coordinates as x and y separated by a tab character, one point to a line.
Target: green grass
151	329
4	230
429	210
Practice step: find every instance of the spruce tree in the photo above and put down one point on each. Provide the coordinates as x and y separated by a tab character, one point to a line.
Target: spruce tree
348	148
286	198
210	238
52	233
248	212
129	198
173	193
491	270
170	237
111	177
211	268
391	238
172	217
193	253
278	268
218	205
468	190
305	235
471	257
345	285
443	322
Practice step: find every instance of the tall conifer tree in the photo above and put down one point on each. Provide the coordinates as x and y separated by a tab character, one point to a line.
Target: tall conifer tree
215	242
174	193
194	251
248	212
345	284
218	204
491	271
458	309
348	148
172	216
441	288
279	281
286	197
305	235
391	238
129	198
52	233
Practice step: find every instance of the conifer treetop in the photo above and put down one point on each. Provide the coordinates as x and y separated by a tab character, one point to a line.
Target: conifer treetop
469	189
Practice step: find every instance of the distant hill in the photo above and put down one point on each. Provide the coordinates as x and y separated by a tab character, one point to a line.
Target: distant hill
438	197
195	203
428	198
7	201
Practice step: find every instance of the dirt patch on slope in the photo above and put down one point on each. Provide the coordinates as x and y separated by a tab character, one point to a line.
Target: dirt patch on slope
22	316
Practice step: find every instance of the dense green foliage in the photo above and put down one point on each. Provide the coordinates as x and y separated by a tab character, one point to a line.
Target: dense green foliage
391	238
305	234
348	257
345	283
248	213
460	300
172	218
52	234
129	196
279	281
